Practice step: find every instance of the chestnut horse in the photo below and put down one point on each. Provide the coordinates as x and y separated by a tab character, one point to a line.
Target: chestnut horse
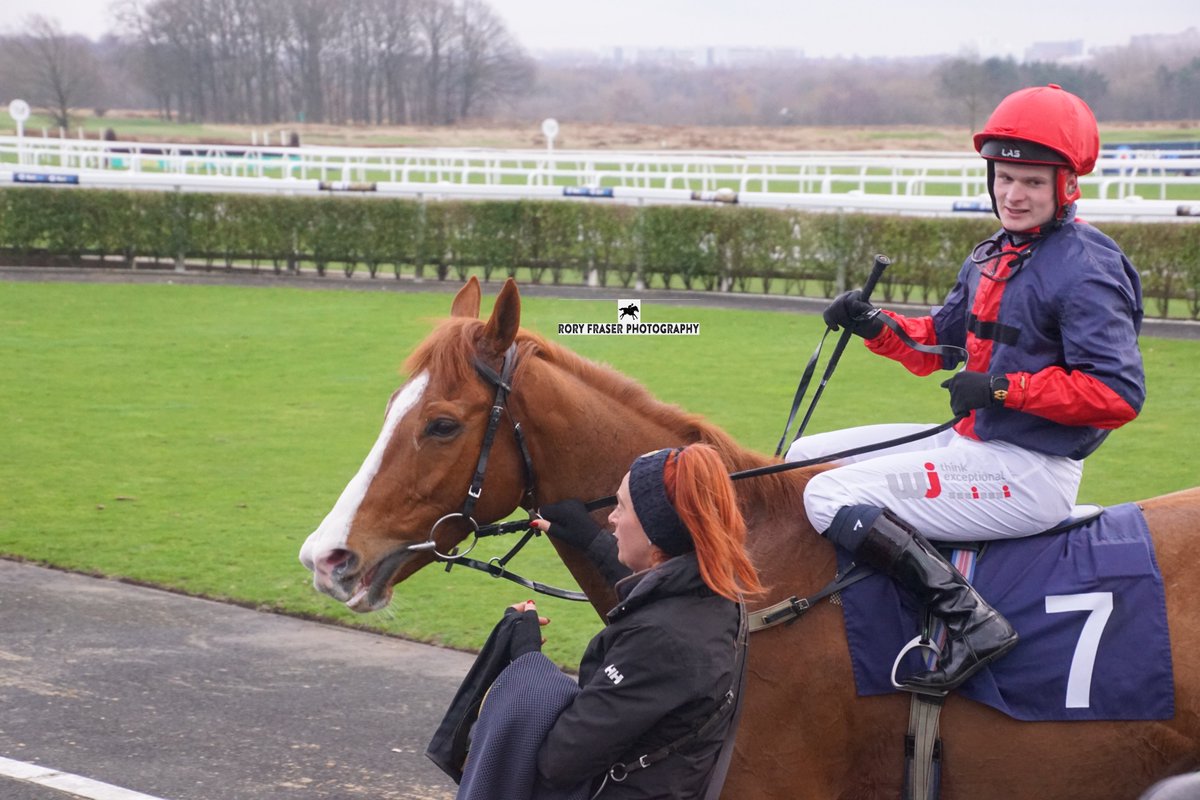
804	732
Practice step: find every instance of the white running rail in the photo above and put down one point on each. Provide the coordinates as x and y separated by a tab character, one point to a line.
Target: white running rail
1129	184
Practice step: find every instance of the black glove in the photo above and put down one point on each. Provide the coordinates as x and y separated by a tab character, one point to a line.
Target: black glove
970	390
526	633
849	310
570	522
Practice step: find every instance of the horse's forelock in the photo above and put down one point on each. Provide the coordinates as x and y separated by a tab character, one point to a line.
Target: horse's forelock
448	353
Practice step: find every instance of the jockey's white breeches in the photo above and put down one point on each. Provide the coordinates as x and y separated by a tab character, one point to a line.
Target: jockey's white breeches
947	486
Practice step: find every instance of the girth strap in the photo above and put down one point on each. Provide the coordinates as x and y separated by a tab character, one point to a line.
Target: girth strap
923	749
794	607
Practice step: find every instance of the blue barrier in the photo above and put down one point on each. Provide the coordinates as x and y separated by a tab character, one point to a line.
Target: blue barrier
43	177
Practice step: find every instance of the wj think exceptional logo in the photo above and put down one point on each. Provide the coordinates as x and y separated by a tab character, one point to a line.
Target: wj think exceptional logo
629	322
928	484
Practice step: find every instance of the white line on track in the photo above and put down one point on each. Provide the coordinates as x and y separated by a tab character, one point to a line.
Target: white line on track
66	782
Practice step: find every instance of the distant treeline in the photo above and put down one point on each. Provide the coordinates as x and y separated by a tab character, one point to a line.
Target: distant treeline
367	61
1136	83
443	61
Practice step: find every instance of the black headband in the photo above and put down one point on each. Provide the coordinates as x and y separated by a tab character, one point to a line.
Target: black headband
659	519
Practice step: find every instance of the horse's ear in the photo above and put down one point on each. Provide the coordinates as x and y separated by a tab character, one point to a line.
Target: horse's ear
466	302
501	328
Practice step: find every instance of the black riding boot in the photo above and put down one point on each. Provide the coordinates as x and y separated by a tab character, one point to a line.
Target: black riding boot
975	633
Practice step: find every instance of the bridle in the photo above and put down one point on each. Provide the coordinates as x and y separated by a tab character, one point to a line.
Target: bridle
502	381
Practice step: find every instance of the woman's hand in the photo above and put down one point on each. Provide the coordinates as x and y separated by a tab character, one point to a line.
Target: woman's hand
526	636
568	521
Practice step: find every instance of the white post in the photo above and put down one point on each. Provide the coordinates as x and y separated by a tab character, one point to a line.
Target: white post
550	130
19	111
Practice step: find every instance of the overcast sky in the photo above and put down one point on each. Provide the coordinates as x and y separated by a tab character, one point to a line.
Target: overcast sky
824	28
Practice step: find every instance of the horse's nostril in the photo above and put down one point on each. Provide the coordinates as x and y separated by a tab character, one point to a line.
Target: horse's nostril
337	563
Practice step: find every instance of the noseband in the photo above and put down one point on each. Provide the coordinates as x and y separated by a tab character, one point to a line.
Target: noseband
503	383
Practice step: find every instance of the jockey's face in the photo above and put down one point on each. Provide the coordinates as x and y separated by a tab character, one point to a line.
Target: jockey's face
1026	194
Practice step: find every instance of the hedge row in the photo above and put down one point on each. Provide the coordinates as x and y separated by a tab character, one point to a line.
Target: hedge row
711	247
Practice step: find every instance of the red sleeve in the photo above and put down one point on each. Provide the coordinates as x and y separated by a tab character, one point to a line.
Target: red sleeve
921	330
1068	398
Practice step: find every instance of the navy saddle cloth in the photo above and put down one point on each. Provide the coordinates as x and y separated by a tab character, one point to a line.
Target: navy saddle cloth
1088	604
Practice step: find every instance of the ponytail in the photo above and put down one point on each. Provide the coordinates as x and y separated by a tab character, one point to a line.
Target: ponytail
699	488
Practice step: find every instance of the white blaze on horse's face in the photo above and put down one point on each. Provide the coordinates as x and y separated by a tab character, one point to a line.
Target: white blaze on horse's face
326	546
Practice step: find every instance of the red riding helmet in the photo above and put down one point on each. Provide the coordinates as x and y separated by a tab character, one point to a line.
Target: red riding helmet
1042	125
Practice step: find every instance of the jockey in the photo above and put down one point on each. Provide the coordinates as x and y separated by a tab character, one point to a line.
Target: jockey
1047	312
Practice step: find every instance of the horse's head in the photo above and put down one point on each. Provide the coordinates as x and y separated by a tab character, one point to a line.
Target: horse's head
415	491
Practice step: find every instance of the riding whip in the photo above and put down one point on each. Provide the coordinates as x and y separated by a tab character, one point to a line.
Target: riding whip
881	263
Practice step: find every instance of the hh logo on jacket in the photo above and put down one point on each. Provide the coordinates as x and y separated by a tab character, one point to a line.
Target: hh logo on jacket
613	674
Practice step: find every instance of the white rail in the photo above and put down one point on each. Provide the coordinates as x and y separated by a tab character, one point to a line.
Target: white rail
1129	184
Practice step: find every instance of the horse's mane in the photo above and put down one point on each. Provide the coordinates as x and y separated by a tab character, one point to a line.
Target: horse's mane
448	354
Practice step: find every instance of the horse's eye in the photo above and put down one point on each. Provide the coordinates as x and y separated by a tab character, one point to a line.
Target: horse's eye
442	428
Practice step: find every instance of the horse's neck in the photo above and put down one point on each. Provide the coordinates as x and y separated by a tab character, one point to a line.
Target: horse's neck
587	433
588	424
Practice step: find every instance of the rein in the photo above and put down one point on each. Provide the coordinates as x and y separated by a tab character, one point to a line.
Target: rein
496	567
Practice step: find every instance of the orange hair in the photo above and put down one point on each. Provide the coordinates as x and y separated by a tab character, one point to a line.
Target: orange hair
699	487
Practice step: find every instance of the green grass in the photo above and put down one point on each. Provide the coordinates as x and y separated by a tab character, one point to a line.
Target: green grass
144	128
193	436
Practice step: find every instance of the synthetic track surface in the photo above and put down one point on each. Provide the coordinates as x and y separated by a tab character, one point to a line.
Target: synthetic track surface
187	699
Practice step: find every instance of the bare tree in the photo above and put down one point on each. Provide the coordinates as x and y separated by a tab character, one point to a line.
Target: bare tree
60	70
400	54
312	25
491	63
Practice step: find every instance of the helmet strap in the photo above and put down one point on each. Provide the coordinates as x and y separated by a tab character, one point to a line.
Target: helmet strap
991	183
1063	177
